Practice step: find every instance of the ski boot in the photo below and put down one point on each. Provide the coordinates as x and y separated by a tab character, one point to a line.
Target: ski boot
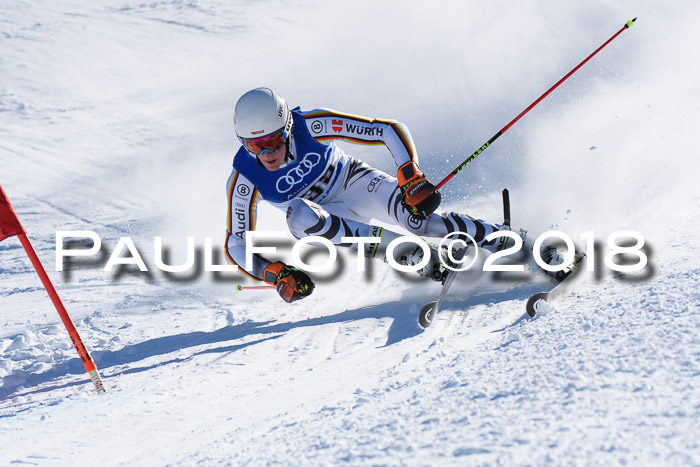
435	269
407	254
550	255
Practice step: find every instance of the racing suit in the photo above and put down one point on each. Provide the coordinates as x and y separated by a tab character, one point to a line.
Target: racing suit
326	192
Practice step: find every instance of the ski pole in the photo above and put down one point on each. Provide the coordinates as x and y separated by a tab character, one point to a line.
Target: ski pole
240	287
627	25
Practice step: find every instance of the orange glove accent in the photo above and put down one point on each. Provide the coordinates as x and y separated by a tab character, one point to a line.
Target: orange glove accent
408	172
291	283
418	195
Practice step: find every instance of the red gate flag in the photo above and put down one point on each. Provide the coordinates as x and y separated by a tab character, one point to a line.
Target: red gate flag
9	226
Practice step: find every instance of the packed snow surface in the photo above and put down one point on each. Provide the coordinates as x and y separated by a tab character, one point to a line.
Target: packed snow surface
116	118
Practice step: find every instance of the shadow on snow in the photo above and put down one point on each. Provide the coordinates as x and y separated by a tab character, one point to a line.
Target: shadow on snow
404	326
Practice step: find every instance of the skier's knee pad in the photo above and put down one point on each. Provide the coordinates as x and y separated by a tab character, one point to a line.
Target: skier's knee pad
303	215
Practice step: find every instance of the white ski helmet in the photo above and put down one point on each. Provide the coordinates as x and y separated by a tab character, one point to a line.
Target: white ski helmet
260	112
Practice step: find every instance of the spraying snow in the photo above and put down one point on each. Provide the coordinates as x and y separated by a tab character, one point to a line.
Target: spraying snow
118	119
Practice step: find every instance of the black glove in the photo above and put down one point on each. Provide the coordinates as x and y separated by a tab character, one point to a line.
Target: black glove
291	283
418	195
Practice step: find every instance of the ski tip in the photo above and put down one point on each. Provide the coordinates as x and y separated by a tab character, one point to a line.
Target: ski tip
426	315
533	303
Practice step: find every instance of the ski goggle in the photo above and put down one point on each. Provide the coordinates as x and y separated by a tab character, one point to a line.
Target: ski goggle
270	142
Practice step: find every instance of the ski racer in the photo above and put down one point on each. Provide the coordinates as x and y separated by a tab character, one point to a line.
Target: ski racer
289	158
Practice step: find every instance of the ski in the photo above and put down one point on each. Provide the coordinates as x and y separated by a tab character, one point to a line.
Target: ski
428	312
566	279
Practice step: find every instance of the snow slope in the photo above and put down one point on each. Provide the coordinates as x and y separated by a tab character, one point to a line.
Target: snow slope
116	118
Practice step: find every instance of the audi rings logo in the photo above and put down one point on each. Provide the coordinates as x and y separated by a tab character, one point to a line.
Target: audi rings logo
373	183
297	174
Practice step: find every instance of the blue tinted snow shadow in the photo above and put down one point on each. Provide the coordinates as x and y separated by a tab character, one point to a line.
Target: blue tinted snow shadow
404	326
403	313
